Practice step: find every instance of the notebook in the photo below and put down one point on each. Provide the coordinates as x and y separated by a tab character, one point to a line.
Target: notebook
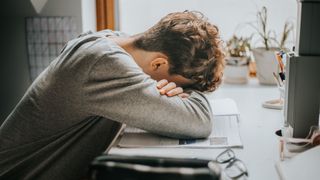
224	107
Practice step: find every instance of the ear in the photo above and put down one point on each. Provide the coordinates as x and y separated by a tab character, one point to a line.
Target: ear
159	63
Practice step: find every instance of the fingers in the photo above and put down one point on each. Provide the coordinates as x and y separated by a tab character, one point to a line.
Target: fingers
167	88
162	83
170	89
175	91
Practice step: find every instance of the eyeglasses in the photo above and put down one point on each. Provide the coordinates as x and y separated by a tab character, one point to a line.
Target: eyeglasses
235	168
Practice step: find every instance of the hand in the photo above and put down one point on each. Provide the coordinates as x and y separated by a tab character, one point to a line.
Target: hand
170	89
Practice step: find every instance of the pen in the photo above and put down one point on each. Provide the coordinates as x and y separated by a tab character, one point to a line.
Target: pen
277	79
282	76
278	56
283	58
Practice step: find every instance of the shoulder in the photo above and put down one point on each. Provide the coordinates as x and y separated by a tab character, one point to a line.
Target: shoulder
113	62
96	55
93	47
89	43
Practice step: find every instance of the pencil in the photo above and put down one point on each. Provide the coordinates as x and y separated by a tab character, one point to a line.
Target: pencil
278	56
281	149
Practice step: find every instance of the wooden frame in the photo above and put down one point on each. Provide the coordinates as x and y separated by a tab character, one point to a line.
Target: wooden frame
105	14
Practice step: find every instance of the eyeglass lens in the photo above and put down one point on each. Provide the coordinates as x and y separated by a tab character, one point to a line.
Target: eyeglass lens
225	156
236	169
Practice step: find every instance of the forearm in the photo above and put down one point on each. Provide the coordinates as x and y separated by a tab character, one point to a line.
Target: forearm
142	106
129	96
189	119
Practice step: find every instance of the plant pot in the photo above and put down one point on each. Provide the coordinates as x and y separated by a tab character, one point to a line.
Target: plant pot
236	74
266	64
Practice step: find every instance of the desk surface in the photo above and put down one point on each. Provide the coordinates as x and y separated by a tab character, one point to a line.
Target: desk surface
257	129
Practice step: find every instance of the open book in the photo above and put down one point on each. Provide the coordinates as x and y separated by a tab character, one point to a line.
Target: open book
225	132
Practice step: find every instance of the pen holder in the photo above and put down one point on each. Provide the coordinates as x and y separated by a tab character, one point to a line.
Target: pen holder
282	92
279	77
276	103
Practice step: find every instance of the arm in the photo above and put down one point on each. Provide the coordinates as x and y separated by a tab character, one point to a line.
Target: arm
117	89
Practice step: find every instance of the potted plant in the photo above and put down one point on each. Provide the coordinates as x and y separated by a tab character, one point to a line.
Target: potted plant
264	56
237	60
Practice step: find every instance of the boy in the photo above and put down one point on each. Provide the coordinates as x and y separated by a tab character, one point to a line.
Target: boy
75	108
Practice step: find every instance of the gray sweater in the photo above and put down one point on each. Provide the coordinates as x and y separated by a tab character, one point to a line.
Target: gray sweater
73	110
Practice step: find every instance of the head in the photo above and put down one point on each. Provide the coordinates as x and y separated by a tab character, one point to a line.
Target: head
186	49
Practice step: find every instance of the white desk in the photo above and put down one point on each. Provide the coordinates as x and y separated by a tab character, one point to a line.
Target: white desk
257	126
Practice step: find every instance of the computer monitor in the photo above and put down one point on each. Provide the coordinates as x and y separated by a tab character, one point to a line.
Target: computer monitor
302	96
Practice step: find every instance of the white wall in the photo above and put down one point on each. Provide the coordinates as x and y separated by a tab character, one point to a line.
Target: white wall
89	18
64	8
84	12
137	15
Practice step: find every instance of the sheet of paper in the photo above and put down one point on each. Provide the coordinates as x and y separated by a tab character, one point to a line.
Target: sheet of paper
225	133
224	107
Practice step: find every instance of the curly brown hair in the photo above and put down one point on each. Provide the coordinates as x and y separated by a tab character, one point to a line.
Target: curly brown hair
192	44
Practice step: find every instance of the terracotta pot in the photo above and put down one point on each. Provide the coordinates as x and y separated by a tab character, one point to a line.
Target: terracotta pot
266	64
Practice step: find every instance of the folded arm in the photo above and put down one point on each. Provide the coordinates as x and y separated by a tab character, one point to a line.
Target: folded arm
117	89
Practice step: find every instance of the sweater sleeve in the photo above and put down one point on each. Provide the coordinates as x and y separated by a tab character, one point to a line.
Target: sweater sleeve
117	89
